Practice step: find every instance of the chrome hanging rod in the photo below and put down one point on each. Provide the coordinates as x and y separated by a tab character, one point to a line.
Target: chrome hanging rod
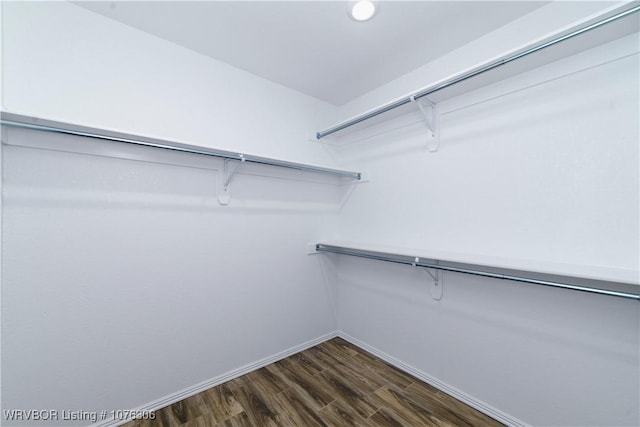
25	122
470	74
381	257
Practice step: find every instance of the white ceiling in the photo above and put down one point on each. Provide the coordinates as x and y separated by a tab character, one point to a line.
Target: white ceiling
313	46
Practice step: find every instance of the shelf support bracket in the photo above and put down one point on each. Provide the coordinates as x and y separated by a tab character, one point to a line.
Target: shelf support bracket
431	120
224	194
436	277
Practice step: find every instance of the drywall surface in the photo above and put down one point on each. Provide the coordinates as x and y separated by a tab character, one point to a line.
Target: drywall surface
537	159
540	167
63	62
124	280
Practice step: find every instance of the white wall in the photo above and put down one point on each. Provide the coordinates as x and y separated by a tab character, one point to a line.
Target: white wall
65	63
540	169
124	280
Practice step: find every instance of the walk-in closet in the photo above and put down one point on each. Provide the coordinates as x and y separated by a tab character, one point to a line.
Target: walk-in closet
320	213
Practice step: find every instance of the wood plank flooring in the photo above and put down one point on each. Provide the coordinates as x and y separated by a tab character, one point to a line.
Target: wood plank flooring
331	384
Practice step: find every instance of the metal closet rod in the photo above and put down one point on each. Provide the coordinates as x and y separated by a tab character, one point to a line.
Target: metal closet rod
26	122
350	252
470	74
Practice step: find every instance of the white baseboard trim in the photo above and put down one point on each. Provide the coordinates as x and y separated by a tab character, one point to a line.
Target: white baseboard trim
193	390
469	400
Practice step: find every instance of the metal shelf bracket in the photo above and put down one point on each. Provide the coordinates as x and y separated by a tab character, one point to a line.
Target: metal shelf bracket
431	120
224	193
436	276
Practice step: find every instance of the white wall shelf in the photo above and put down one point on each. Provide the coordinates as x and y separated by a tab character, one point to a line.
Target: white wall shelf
44	125
615	24
620	282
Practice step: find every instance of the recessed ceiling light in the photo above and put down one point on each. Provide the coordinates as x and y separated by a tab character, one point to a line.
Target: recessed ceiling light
362	10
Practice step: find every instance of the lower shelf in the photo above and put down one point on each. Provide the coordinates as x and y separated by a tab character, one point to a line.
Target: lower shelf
495	272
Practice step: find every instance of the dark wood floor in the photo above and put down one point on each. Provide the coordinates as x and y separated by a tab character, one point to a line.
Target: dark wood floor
331	384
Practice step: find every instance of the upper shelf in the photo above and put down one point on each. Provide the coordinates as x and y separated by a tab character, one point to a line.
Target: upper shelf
26	122
611	26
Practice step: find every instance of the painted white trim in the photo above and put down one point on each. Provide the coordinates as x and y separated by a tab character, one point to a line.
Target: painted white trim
193	390
452	391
